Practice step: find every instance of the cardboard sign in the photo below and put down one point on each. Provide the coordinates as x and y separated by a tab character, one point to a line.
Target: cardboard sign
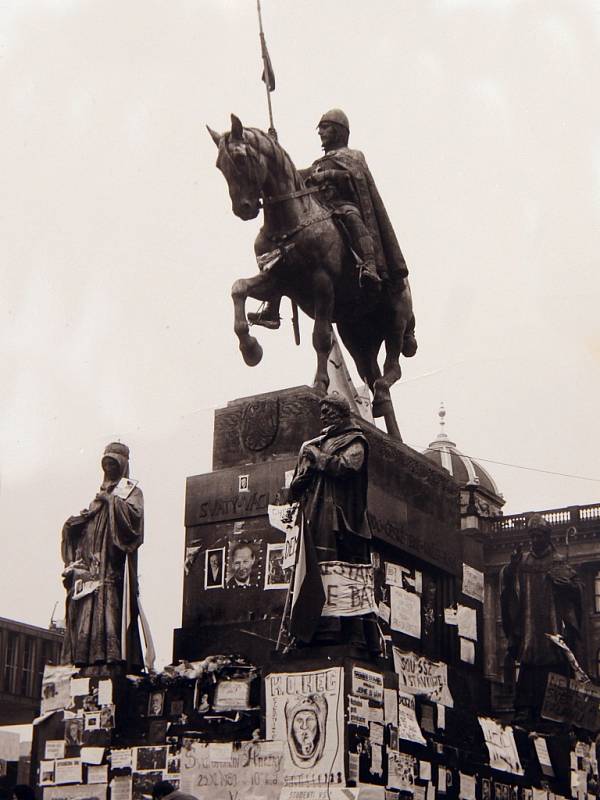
572	701
305	711
349	589
419	675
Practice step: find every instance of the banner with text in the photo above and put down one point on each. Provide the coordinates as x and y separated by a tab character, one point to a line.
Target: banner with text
349	589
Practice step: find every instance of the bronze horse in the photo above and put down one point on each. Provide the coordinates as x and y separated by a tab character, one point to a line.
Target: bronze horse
311	263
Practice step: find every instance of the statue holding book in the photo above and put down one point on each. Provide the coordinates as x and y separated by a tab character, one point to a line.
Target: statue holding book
99	551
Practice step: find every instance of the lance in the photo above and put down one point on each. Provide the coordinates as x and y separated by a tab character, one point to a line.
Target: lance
268	75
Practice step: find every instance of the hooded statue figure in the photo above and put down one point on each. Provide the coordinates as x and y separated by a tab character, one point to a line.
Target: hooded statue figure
99	552
306	721
540	597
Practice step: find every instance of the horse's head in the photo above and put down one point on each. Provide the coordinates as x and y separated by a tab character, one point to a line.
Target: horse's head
244	170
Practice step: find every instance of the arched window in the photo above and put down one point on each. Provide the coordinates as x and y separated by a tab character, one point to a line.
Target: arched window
597	593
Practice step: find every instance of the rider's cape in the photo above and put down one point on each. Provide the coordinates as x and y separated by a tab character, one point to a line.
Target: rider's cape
390	260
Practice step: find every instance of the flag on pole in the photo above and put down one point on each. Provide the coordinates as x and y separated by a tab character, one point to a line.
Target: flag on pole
268	76
309	596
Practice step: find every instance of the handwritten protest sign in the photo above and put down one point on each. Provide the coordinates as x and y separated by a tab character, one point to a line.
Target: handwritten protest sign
502	749
419	675
349	589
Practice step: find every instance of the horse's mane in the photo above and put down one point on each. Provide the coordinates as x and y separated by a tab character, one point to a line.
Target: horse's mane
269	147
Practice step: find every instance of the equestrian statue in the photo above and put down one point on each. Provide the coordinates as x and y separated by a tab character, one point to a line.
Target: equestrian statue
326	243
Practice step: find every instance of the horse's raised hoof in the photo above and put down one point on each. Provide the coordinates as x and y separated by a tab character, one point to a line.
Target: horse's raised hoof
252	352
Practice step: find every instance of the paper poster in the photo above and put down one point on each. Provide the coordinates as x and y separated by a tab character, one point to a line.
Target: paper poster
79	686
67	770
120	759
105	692
466	618
406	612
376	767
393	574
376	714
420	675
472	582
376	732
349	589
97	774
430	791
92	755
467	651
366	683
120	788
402	770
384	612
419	792
305	710
82	792
220	751
441	716
541	748
390	701
56	688
46	773
540	794
353	767
285	519
358	711
408	727
54	748
502	749
425	770
232	695
450	616
254	770
9	745
73	730
442	780
466	787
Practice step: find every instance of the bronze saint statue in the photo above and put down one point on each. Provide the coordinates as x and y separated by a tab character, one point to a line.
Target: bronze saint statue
330	482
540	595
328	245
99	552
346	186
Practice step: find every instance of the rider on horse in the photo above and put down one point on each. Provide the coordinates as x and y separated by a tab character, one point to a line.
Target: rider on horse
347	188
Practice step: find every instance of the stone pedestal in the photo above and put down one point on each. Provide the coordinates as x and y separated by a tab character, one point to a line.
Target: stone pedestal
413	510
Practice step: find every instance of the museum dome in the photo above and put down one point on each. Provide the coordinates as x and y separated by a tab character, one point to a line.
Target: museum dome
464	469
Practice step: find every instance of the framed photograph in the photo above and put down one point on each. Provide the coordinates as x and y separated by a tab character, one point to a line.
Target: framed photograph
276	577
143	783
107	718
92	721
232	695
150	758
214	569
73	731
486	789
243	565
156	702
201	700
243	483
46	773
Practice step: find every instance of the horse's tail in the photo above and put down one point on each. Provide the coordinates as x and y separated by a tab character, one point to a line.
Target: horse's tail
409	343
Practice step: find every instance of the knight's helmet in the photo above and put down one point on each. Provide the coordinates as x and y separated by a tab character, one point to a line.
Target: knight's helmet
337	116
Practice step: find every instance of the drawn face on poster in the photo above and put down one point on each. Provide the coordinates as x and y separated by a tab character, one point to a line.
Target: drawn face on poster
73	731
306	720
242	565
214	572
276	577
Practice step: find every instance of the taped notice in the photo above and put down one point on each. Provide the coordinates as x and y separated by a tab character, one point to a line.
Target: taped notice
401	771
472	582
467	787
467	622
358	711
467	651
285	519
502	749
366	683
419	675
390	699
406	612
408	727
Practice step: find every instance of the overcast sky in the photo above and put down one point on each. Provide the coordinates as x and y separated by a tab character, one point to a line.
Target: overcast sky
480	122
